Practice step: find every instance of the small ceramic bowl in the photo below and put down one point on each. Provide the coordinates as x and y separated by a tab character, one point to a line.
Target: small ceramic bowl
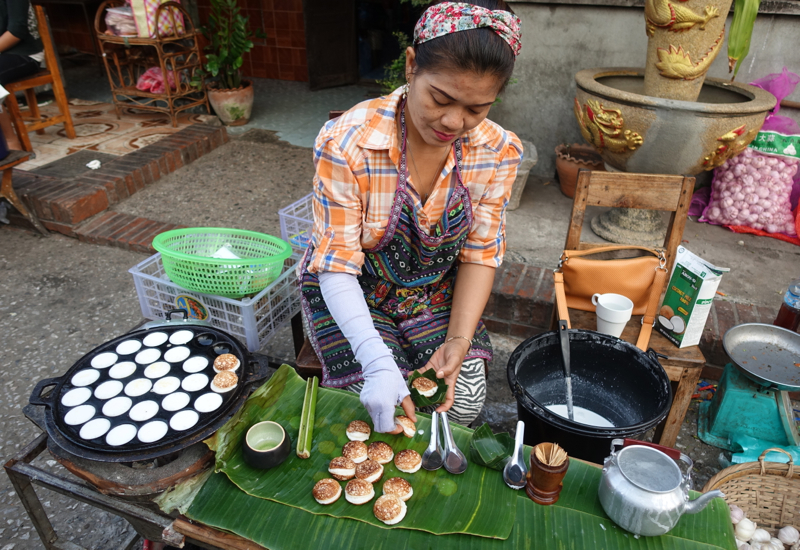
266	445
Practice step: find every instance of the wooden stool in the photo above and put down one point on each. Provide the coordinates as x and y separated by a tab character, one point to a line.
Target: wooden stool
7	189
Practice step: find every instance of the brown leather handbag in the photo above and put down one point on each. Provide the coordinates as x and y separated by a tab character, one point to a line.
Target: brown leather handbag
640	279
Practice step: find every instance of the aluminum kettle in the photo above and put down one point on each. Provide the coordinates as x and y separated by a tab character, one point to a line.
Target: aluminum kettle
644	491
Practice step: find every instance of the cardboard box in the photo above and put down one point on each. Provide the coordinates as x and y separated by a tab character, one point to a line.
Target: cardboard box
688	300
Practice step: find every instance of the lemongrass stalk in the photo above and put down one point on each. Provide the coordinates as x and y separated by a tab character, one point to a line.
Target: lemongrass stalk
305	437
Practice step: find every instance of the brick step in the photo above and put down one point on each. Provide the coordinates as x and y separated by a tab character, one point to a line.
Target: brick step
123	231
63	204
522	301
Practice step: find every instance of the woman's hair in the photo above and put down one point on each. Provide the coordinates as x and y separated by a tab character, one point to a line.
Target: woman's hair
480	51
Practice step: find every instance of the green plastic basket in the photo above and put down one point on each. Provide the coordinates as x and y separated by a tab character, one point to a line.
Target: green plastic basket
187	255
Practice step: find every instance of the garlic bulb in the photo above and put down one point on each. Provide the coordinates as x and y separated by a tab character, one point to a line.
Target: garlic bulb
775	543
745	529
760	535
736	514
743	546
788	535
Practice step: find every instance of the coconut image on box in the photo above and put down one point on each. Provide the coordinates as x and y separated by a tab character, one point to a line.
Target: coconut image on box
688	299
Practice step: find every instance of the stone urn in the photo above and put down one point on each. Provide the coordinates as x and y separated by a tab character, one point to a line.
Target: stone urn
636	132
684	38
232	106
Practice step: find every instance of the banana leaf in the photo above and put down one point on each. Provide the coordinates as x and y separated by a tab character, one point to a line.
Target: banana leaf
490	450
576	522
476	502
419	399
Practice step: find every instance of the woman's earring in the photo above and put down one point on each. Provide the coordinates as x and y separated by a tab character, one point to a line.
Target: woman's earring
405	90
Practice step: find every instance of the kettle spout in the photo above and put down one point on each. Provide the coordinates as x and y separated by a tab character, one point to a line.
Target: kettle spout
696	505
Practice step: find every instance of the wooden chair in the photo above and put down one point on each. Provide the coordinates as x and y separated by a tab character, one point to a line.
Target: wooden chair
31	119
652	192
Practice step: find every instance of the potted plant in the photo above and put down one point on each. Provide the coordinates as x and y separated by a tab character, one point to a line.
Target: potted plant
229	38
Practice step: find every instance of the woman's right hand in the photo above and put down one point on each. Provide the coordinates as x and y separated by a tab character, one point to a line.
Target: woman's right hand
384	389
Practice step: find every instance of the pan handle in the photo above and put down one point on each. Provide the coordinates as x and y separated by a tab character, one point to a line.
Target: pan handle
182	312
652	353
36	395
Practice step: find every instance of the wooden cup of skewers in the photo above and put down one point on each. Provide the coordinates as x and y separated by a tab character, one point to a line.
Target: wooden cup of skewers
549	464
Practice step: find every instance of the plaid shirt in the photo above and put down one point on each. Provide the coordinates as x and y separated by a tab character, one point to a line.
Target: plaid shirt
357	158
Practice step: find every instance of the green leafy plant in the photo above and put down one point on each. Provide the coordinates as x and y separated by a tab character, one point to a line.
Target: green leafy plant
396	70
229	38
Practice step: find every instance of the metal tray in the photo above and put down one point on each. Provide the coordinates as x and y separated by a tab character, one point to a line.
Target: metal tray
766	354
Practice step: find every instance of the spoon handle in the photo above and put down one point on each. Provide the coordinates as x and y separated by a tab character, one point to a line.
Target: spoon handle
449	444
434	443
518	450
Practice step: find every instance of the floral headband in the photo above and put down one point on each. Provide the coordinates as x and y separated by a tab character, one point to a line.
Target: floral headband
450	17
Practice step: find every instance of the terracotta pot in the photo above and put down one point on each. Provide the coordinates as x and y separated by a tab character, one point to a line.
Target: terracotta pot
570	159
684	39
233	107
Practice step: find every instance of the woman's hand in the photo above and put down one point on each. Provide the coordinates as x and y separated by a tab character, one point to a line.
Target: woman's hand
384	389
446	361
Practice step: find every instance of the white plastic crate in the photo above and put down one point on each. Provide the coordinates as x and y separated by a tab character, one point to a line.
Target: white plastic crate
252	320
297	221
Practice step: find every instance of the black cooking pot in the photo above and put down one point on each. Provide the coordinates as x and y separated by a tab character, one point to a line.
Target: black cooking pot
610	377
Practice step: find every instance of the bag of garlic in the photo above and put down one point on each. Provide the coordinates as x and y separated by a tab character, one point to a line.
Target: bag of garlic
751	193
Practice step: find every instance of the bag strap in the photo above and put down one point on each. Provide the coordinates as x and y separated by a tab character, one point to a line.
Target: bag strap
578	253
648	320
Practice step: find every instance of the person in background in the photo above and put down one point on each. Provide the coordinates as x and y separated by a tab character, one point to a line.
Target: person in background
18	53
410	195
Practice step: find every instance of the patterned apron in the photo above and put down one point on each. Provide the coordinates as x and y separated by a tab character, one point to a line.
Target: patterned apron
407	280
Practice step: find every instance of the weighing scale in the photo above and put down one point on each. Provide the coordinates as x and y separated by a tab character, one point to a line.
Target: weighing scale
752	397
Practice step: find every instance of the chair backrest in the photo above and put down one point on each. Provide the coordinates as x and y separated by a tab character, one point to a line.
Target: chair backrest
46	36
623	190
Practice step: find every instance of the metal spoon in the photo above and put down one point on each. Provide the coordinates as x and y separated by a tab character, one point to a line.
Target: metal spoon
432	458
514	474
454	460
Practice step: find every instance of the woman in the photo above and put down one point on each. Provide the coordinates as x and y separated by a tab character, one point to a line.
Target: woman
409	207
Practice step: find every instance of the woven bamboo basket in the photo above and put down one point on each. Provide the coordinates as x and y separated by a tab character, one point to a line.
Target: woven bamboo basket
767	492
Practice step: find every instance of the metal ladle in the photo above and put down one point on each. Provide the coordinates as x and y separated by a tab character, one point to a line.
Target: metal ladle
563	334
516	469
454	460
432	458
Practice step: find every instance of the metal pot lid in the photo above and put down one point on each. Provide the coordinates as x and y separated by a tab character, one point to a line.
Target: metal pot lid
766	354
649	469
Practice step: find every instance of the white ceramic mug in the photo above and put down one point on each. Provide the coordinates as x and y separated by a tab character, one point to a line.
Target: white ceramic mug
613	313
